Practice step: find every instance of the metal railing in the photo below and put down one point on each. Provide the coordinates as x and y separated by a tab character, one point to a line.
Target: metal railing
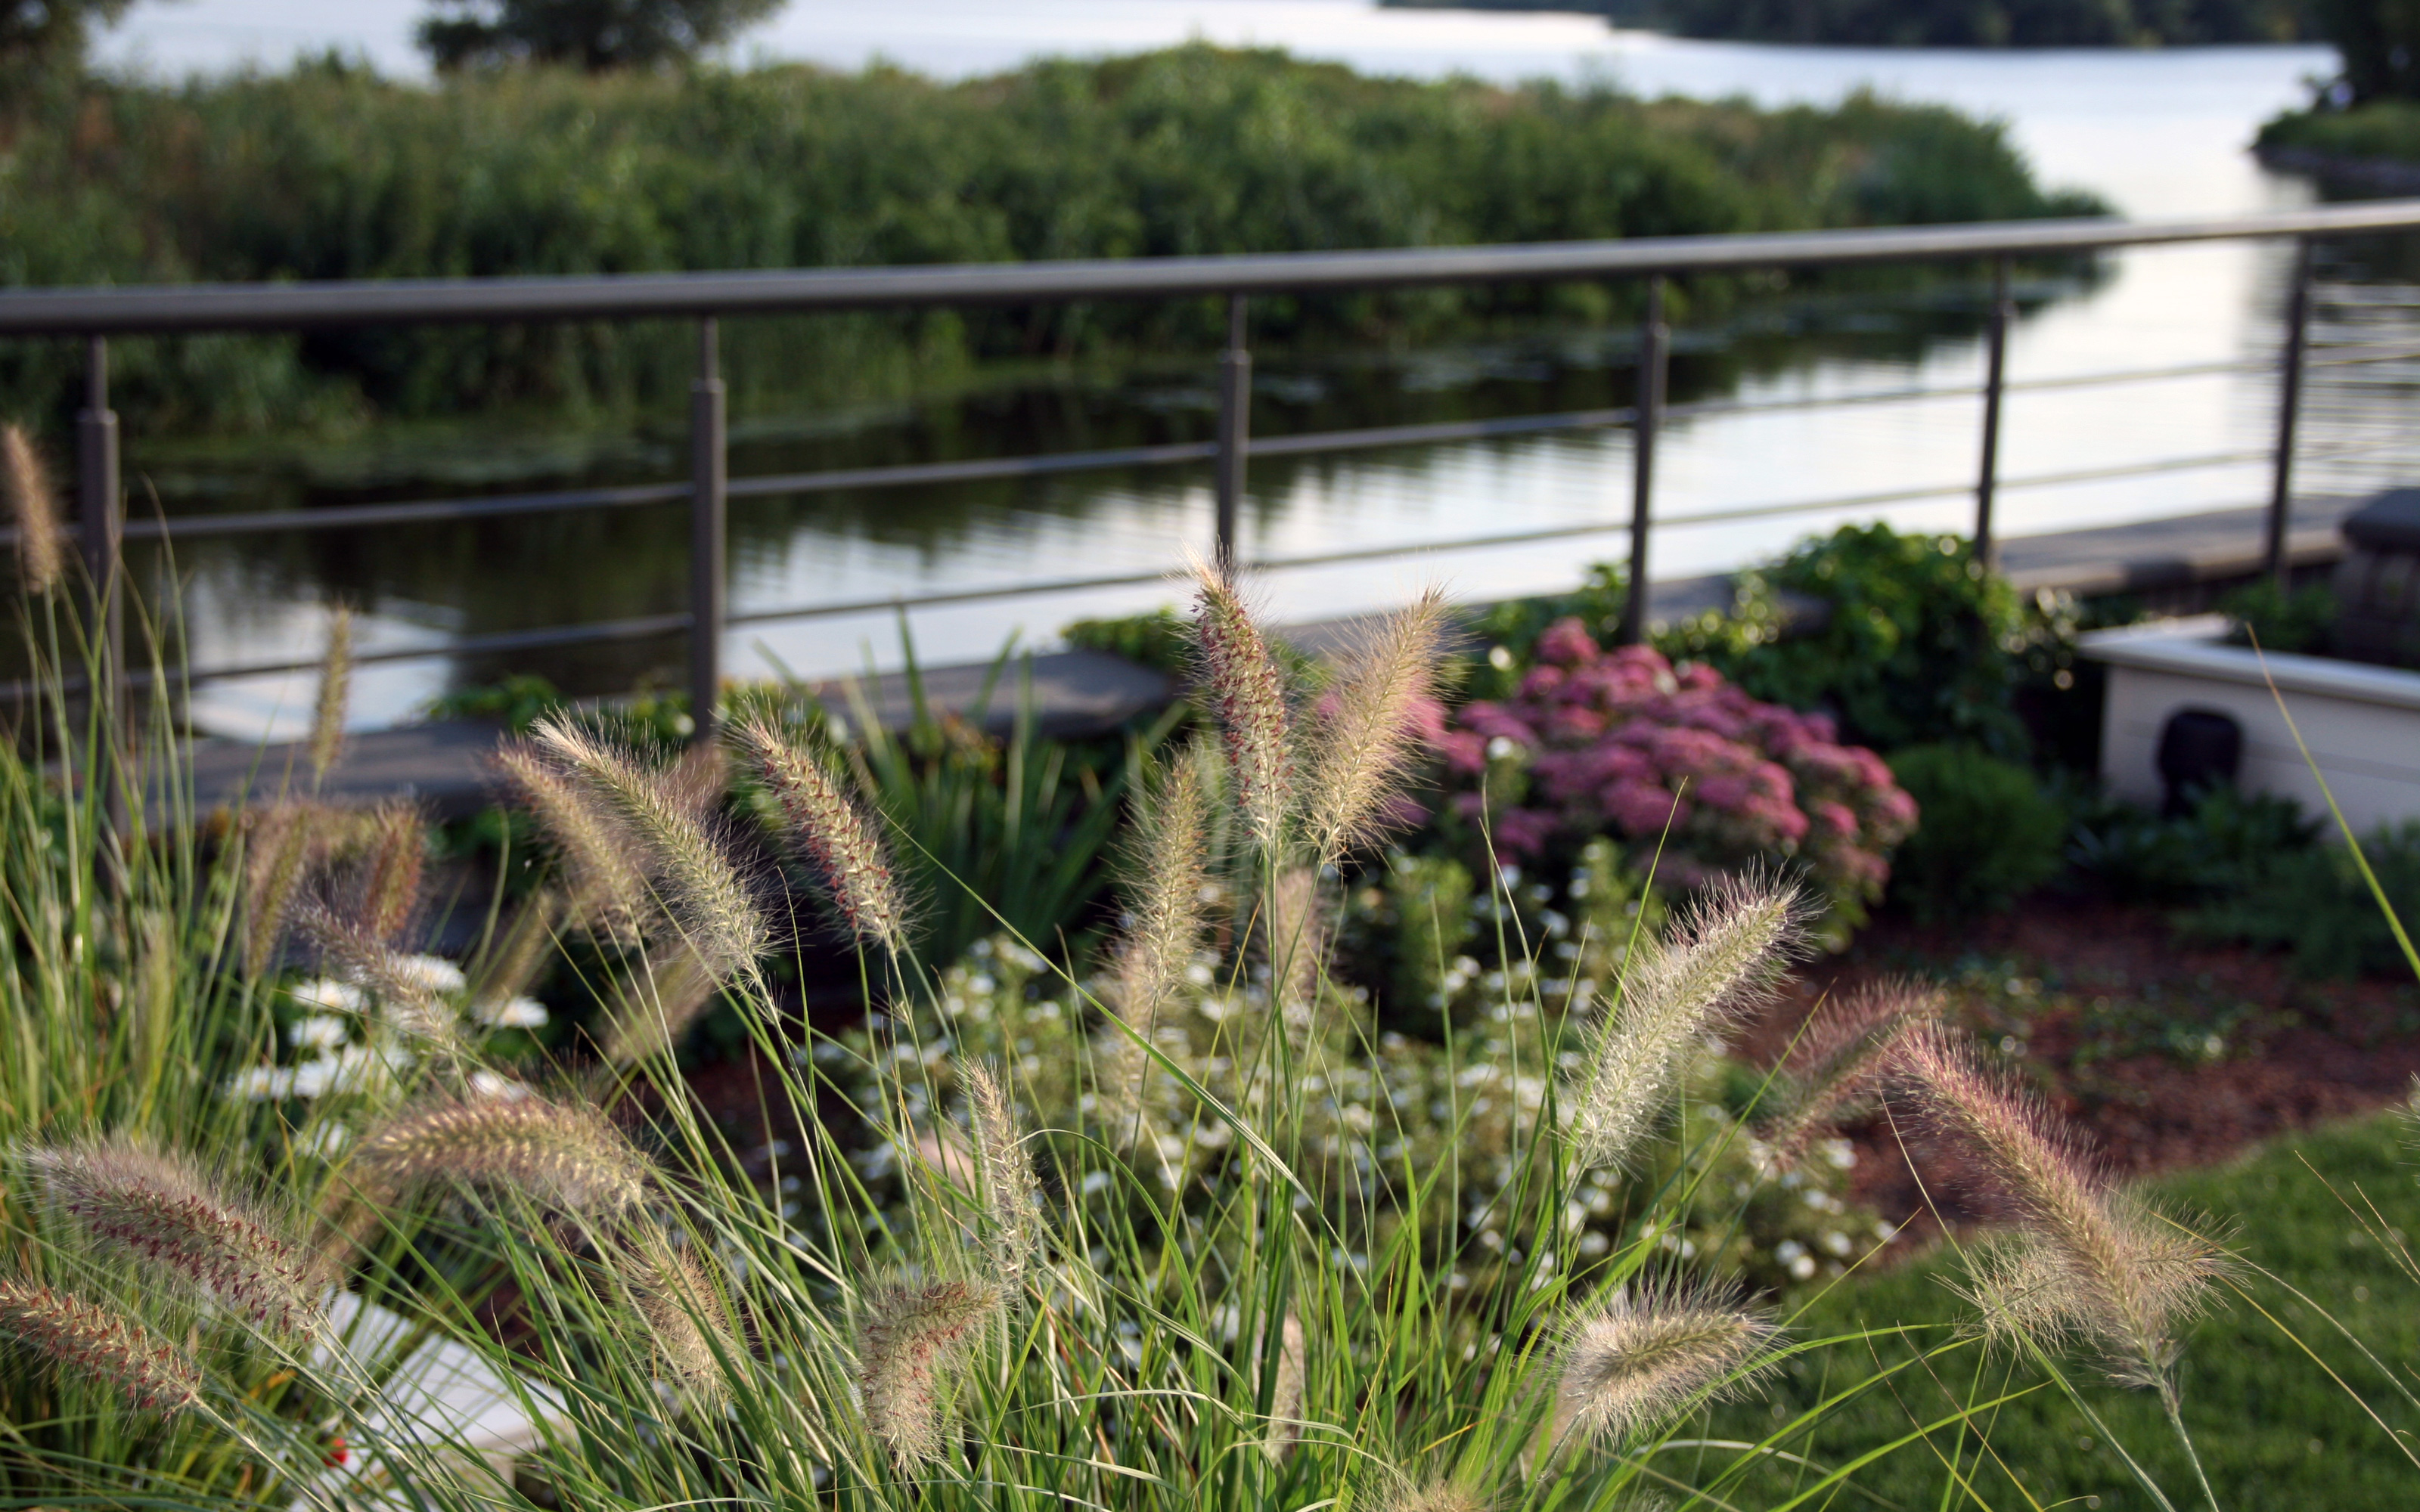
95	314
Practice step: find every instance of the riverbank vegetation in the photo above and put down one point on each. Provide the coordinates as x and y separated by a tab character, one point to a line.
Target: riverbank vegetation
1945	23
329	171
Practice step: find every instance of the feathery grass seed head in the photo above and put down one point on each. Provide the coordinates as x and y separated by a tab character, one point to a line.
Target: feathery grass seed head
1649	1353
1359	754
1249	695
1721	959
684	1315
162	1211
398	853
405	996
1286	1392
279	844
42	541
336	694
911	1342
1169	868
2094	1264
99	1343
707	902
839	838
1011	1190
1840	1062
594	846
559	1155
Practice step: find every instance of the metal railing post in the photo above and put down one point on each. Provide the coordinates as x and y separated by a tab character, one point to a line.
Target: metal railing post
1655	345
708	495
101	525
1995	368
1234	428
2289	405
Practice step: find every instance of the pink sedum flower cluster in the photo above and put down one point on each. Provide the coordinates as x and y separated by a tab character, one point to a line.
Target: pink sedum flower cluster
1622	742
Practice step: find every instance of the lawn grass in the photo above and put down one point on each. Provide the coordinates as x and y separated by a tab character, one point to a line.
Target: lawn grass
2274	1430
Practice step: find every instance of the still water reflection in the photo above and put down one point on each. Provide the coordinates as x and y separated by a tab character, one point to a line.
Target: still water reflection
2157	133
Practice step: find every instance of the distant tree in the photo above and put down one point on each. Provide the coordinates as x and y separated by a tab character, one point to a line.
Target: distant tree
1989	22
595	34
52	31
2380	43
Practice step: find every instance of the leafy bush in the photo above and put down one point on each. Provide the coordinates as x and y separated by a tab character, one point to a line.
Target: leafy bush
1989	833
2313	904
1917	643
1159	640
2215	849
2302	621
1985	24
1596	742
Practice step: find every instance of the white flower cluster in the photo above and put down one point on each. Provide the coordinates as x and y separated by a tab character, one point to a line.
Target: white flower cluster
337	1048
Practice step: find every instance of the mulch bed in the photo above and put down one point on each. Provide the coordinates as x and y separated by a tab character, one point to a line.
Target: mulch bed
2159	1052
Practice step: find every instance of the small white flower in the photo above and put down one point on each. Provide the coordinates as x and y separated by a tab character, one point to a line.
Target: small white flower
431	973
321	1032
327	993
488	1084
512	1013
262	1083
326	1142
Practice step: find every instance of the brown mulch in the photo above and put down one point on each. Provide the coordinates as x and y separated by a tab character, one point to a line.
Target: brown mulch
2158	1052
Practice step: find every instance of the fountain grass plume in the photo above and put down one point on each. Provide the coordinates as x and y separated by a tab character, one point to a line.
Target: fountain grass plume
99	1343
409	1004
1442	1494
34	507
1011	1190
840	839
1722	958
279	844
335	695
1286	1392
705	900
913	1339
161	1211
1359	754
1247	693
685	1321
556	1154
398	853
1168	866
1294	932
2091	1263
1840	1062
1651	1350
594	846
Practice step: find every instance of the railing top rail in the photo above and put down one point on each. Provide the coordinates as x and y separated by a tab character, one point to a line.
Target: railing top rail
186	307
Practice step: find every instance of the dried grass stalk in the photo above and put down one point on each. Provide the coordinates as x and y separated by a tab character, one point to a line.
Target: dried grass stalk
41	540
2093	1264
1249	695
706	903
99	1343
1648	1354
162	1211
840	839
336	694
913	1340
1359	753
557	1155
1722	958
1840	1063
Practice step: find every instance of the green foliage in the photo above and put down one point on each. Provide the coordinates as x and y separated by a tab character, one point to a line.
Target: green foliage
1986	833
52	32
330	171
2381	128
1993	24
1917	643
593	34
2314	903
2379	41
1161	639
1510	629
2302	621
2217	849
516	703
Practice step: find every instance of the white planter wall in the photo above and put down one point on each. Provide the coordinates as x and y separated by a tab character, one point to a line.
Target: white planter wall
2362	723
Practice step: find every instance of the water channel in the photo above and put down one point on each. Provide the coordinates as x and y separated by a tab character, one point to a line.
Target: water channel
2156	133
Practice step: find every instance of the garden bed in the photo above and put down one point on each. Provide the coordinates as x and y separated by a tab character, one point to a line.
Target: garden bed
2165	1055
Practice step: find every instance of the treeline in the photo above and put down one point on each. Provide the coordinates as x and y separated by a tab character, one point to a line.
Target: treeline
1945	23
332	172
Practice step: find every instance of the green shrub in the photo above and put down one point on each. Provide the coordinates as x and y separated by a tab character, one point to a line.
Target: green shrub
1160	639
1985	833
2302	621
2216	849
2313	904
